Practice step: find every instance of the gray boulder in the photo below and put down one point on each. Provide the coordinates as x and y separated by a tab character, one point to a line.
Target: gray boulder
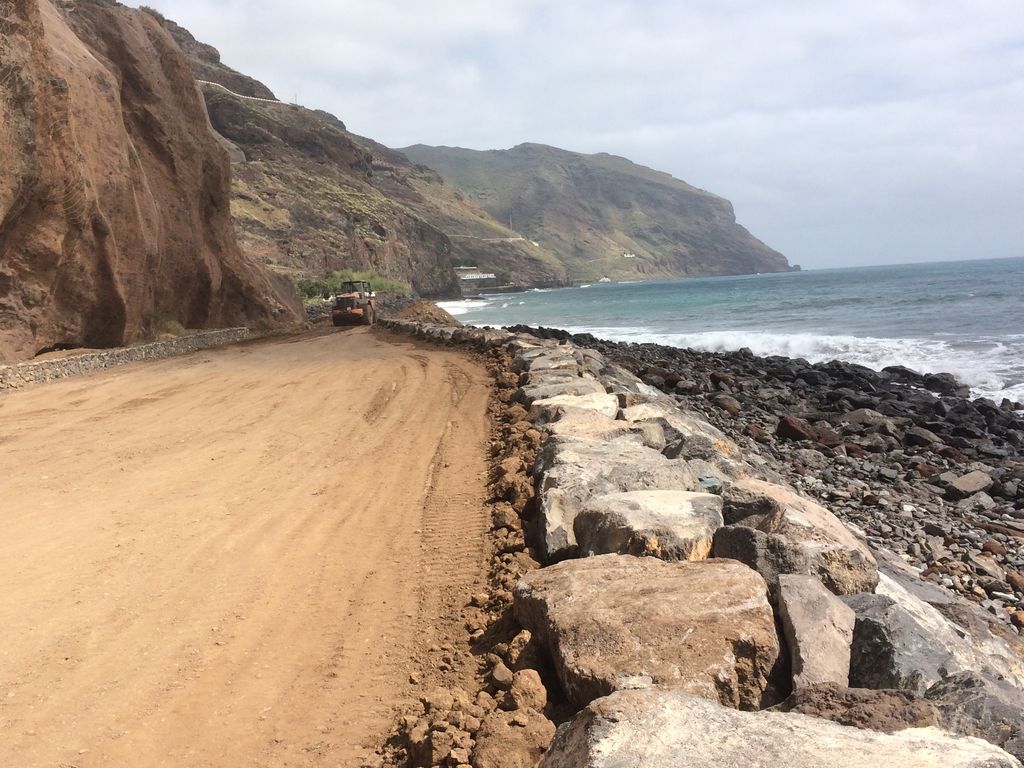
793	534
613	621
670	525
818	628
973	645
892	650
771	556
570	471
969	485
628	388
670	729
975	705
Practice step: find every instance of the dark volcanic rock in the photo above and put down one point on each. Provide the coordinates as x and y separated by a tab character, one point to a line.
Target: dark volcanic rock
975	705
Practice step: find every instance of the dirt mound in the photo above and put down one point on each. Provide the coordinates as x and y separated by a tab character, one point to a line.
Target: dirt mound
114	204
425	312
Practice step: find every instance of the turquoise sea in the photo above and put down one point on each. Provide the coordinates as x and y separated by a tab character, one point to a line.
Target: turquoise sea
966	317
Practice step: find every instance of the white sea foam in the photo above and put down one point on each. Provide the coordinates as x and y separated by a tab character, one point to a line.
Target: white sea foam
990	367
456	308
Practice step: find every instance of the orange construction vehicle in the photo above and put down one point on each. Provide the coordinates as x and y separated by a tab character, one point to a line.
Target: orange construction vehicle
354	302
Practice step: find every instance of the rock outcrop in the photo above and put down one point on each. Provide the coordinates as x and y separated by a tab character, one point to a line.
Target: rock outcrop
114	201
310	196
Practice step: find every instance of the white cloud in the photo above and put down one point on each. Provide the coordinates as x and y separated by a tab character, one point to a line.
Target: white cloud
878	131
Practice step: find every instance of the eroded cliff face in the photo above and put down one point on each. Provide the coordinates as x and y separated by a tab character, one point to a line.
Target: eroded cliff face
304	200
310	196
115	196
603	215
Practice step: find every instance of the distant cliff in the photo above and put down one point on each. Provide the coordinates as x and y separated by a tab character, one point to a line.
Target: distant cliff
310	196
604	215
114	195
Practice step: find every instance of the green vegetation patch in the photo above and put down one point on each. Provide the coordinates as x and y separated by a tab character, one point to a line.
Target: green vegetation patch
314	290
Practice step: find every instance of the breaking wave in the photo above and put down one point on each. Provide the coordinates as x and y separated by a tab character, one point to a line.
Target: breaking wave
992	368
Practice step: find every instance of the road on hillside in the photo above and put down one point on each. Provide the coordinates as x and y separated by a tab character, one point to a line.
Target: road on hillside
235	558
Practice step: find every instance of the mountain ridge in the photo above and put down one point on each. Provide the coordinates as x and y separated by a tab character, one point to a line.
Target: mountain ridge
603	214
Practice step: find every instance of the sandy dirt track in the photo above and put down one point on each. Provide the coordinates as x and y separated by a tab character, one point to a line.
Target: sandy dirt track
235	558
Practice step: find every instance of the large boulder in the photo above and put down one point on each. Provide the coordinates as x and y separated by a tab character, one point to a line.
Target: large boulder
671	729
628	388
613	621
554	359
771	556
570	471
976	705
900	641
549	387
972	645
549	409
589	424
818	628
680	425
891	649
671	525
801	536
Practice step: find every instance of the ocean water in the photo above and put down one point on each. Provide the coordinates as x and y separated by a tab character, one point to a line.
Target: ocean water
965	318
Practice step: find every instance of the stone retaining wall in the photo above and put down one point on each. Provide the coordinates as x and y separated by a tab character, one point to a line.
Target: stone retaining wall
20	374
683	579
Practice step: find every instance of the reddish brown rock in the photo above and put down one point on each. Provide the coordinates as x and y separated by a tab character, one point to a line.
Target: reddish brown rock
757	432
793	428
993	547
115	196
512	740
828	437
876	710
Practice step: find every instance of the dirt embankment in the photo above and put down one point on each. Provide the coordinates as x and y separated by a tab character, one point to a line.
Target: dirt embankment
115	196
248	556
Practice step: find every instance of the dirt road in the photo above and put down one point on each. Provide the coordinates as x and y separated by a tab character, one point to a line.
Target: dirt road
235	558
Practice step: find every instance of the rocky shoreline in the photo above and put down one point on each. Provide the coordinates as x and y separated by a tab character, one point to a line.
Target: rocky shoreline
911	459
666	552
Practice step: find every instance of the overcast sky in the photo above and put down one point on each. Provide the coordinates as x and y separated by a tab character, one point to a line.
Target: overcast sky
855	132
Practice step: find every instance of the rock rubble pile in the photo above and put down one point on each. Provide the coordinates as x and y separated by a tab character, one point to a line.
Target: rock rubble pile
699	591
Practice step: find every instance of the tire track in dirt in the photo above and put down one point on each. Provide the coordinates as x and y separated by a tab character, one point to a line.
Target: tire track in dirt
221	560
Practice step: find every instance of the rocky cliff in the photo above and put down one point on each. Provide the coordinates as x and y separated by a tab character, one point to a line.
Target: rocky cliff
309	196
114	201
604	215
